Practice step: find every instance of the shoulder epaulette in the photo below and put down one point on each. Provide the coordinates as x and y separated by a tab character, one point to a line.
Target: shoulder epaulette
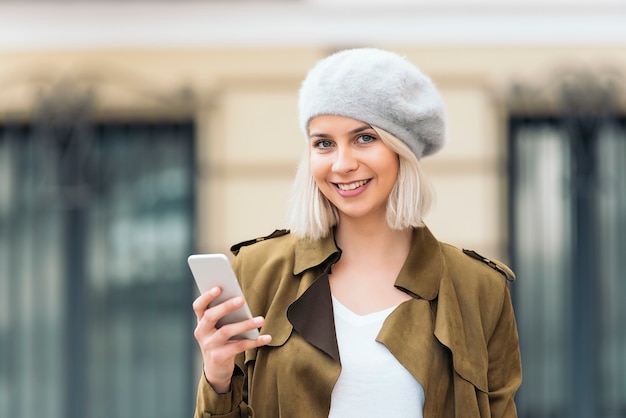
510	276
277	233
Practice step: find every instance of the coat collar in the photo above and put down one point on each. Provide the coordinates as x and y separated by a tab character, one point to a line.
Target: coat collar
309	253
311	313
423	267
419	276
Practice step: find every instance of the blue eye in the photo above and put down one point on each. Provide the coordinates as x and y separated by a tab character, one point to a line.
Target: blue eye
365	138
323	143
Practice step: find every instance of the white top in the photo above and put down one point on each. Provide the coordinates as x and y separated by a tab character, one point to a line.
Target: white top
372	382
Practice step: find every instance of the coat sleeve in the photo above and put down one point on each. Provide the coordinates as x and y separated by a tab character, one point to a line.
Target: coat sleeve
223	405
505	372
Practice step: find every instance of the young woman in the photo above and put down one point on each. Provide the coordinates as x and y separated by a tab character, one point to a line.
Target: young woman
363	313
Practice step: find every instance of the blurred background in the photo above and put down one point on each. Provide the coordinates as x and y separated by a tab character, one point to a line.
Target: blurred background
133	134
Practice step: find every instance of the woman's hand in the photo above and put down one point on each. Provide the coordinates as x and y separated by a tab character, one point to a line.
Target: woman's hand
218	350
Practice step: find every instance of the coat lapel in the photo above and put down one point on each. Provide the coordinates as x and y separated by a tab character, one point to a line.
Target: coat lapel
311	314
312	317
409	332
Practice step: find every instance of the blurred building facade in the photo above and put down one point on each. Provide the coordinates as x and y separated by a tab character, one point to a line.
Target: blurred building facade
133	135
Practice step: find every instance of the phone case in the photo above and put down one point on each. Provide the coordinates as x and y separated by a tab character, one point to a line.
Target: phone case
211	270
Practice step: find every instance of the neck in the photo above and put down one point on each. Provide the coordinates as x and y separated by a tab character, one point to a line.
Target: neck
374	239
372	257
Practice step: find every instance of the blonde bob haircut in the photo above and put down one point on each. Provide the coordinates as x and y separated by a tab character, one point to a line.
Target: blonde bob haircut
312	216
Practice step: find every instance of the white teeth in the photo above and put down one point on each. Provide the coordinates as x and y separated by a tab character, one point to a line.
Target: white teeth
351	186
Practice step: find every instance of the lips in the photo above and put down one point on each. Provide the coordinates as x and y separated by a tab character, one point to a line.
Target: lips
346	187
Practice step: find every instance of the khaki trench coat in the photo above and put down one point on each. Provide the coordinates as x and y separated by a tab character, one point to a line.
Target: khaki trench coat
457	335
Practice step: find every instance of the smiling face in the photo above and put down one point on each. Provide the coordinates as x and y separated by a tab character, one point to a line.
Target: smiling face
351	165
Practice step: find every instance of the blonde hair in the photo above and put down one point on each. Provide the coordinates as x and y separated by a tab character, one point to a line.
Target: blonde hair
312	216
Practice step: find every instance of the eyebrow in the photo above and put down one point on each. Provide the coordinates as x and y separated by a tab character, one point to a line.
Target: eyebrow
353	131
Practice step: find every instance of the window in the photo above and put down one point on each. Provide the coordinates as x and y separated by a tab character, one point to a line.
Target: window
568	229
96	222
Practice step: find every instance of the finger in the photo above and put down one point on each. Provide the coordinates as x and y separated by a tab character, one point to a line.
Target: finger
229	331
207	323
218	311
223	346
240	346
201	304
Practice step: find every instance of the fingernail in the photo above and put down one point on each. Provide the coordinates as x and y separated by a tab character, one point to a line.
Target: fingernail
238	300
258	321
214	291
265	339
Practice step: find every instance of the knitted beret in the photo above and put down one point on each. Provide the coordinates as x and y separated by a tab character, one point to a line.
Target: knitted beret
380	88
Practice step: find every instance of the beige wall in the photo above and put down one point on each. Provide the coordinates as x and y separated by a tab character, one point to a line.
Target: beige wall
249	143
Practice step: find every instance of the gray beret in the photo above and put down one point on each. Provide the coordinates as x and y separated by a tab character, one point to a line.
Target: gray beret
380	88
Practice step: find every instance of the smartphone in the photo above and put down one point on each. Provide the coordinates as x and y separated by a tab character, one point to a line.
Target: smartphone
210	270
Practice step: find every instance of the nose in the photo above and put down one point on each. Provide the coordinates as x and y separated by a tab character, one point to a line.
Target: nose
345	160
